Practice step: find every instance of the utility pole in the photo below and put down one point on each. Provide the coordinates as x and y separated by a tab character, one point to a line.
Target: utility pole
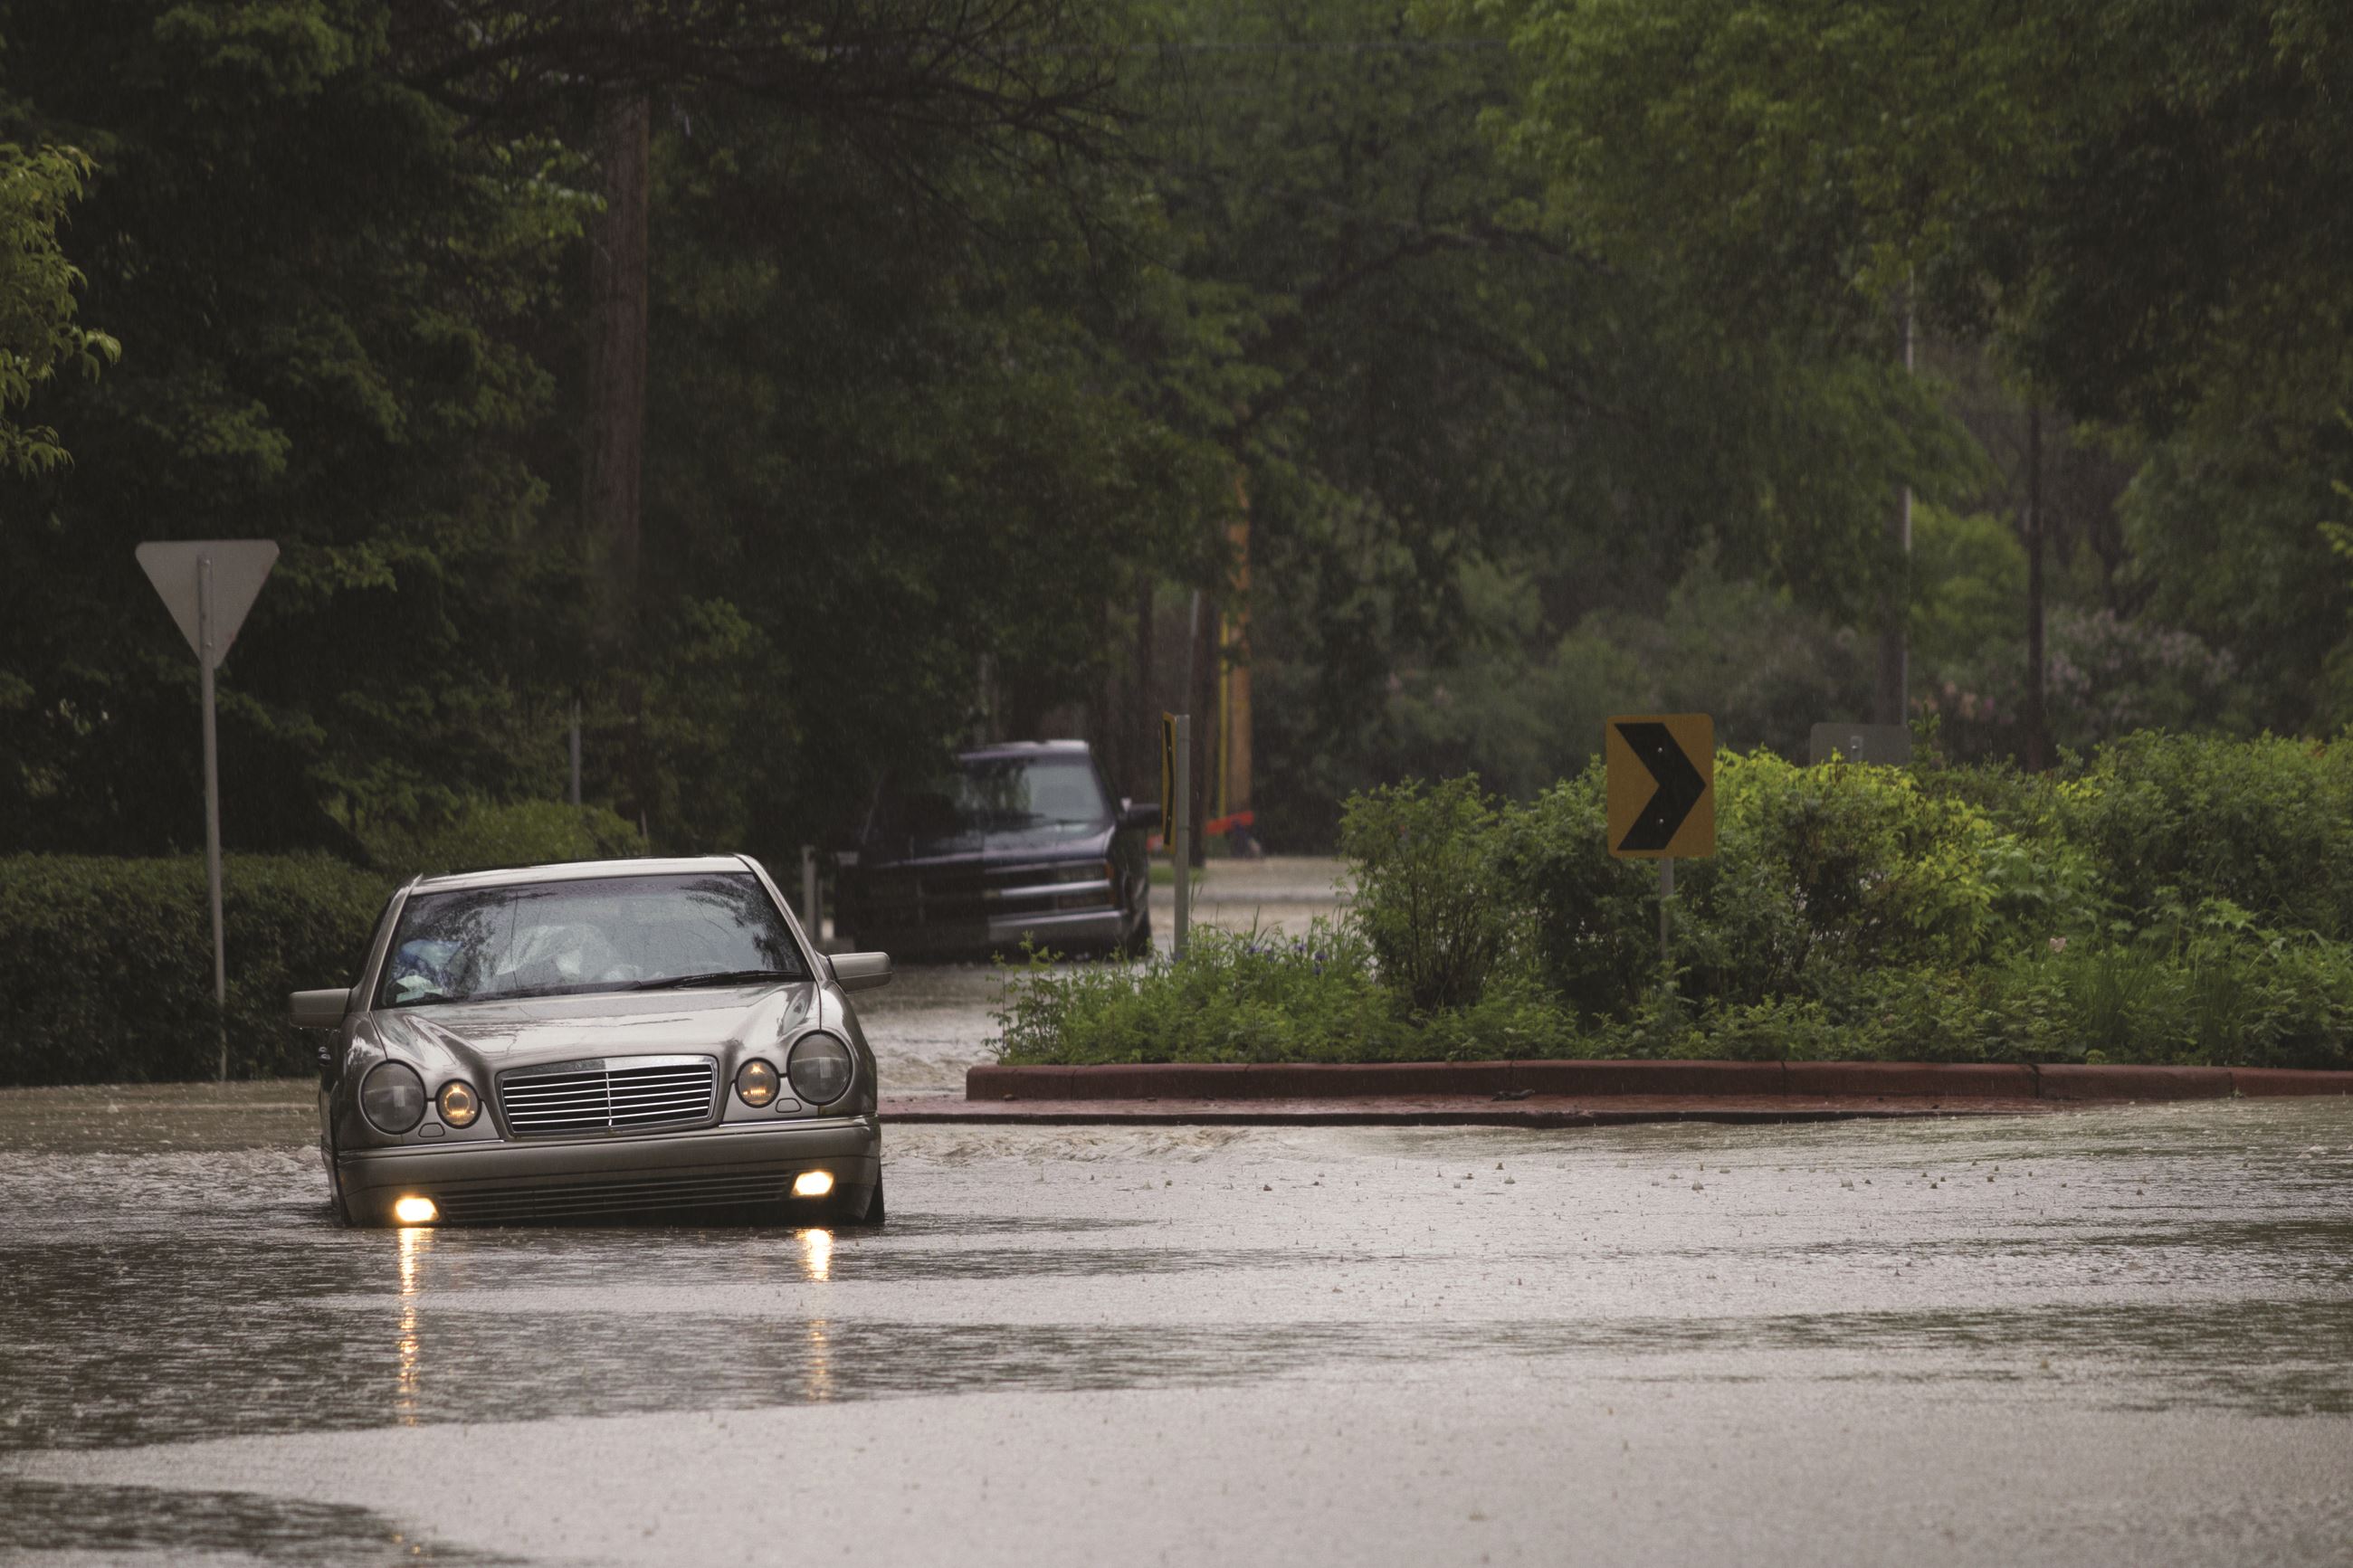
1181	832
1892	704
1196	666
2038	718
1234	791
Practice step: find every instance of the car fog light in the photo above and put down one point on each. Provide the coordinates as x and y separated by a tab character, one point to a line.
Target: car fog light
809	1185
415	1210
393	1097
755	1083
459	1103
820	1068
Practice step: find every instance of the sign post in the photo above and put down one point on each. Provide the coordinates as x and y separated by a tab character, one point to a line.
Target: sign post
1662	802
1176	808
209	584
1888	745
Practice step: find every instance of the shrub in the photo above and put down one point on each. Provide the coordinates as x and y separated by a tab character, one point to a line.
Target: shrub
1236	999
481	836
2172	821
106	964
2177	899
1260	996
1591	931
1819	871
1431	898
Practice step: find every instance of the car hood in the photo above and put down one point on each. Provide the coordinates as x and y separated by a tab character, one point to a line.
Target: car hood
526	1033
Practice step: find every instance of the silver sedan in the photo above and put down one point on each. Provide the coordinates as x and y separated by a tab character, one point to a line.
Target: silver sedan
598	1039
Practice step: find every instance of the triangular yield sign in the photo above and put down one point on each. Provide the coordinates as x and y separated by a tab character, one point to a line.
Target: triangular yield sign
239	566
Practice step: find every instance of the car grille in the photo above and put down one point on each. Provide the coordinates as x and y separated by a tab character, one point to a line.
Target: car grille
969	895
617	1095
642	1195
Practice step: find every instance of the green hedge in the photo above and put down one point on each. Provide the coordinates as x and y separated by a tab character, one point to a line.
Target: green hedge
106	964
2170	900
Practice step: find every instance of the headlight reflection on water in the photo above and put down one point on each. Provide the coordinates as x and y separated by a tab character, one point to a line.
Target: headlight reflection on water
816	1266
819	1382
817	1254
408	1352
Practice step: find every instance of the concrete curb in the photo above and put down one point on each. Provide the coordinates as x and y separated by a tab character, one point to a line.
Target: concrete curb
1452	1111
1946	1083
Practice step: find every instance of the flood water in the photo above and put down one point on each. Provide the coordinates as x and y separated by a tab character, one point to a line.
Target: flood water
2119	1336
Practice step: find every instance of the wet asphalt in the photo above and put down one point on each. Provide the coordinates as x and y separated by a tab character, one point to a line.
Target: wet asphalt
2119	1336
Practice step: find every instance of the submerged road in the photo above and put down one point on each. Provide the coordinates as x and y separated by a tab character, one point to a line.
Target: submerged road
2121	1336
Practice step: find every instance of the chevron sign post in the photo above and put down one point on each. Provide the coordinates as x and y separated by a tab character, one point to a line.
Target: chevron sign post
1662	794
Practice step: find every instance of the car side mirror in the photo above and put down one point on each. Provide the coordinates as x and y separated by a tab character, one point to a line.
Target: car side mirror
1139	814
861	971
320	1009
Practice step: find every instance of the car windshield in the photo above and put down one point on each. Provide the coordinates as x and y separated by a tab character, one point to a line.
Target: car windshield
603	933
999	795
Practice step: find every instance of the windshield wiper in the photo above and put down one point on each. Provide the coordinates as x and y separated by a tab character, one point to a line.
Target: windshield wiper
717	977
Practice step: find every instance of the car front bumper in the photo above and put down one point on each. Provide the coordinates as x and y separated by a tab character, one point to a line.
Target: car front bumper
729	1168
1082	931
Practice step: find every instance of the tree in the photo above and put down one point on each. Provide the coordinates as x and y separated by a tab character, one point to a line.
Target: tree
2124	192
37	335
325	288
2124	199
1466	427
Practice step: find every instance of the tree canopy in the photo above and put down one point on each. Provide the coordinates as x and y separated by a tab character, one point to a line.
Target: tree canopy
1551	349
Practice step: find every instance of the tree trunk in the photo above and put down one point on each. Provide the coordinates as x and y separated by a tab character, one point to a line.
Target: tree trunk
614	445
1200	700
1238	674
2038	724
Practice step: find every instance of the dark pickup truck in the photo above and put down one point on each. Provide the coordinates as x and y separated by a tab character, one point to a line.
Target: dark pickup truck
1011	842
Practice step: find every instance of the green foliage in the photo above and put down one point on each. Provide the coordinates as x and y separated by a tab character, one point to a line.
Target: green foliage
1258	997
1429	897
37	335
106	964
2175	822
327	285
480	836
2128	912
1237	997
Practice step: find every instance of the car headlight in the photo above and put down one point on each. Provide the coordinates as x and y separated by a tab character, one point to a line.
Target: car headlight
820	1068
393	1097
755	1083
460	1104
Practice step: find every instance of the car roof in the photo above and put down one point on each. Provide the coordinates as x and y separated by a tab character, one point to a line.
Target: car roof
1024	749
578	870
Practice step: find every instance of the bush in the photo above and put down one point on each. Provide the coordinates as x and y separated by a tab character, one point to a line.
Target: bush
1236	999
2172	821
106	964
1431	899
481	836
2177	899
1819	871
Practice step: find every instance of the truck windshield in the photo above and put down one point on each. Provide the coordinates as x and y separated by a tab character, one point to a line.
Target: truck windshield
999	795
603	933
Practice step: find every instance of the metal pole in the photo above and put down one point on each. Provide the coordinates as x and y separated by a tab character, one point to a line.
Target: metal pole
205	661
576	751
1894	702
1180	848
1666	891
